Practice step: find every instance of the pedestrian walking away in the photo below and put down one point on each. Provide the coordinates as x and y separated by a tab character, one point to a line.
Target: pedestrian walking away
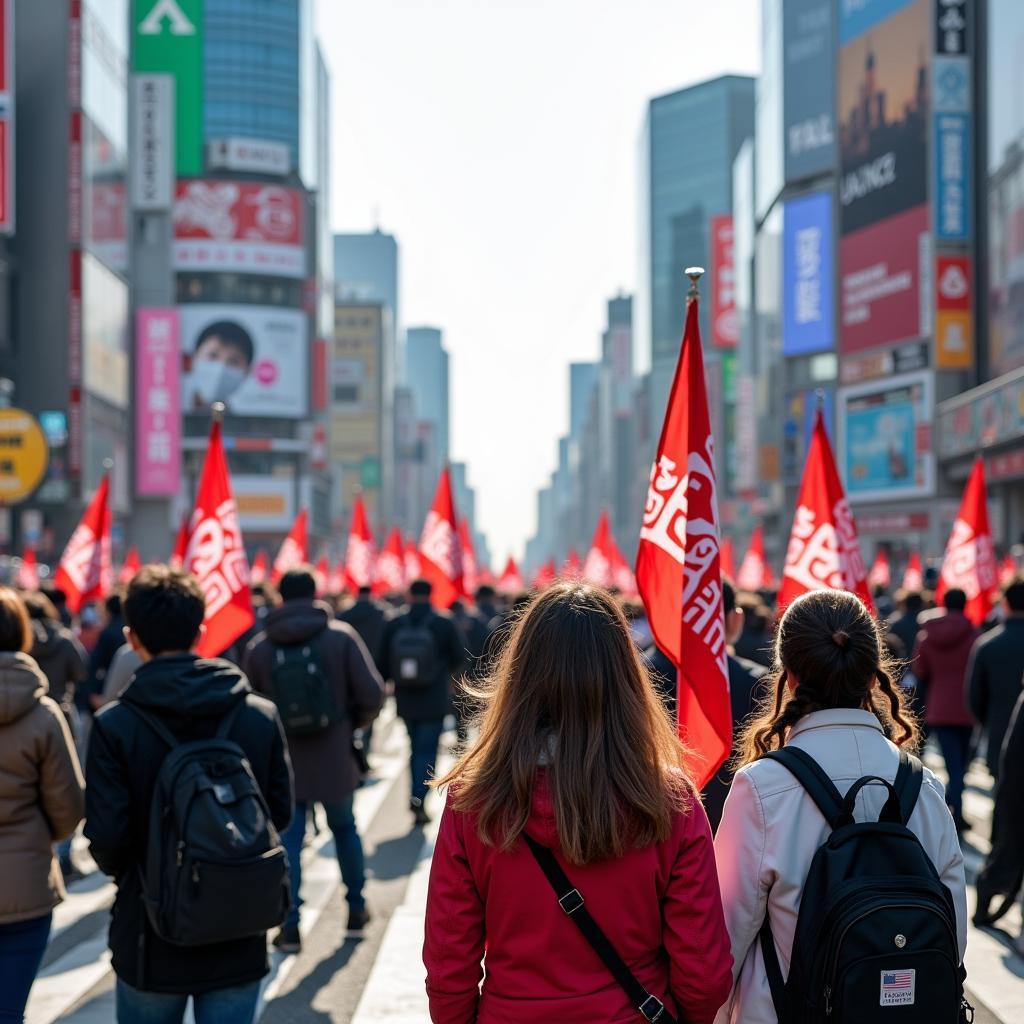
41	803
573	847
188	786
320	675
824	757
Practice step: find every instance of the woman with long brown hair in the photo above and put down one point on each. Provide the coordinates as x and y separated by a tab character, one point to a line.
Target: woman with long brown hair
831	696
572	821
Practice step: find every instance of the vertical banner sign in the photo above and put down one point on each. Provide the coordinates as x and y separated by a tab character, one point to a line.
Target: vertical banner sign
152	156
157	403
6	117
807	297
169	40
951	132
724	321
954	329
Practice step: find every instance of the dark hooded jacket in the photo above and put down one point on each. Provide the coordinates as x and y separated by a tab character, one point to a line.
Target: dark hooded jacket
940	663
994	682
62	659
368	619
191	696
325	767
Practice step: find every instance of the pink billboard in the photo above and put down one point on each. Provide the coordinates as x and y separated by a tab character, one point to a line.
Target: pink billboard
157	402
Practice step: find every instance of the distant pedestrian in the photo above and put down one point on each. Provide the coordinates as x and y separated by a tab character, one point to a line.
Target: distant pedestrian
109	642
325	685
199	719
904	622
420	652
996	671
41	803
368	618
940	662
122	669
576	782
755	642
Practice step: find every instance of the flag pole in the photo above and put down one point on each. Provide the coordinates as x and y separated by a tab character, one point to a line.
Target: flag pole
218	412
694	274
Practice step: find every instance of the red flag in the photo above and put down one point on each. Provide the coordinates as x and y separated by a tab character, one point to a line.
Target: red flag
880	574
678	567
322	570
824	552
413	563
440	551
913	577
336	579
545	575
572	568
511	581
361	552
470	572
755	573
258	575
84	573
389	577
623	579
728	560
1007	571
132	564
970	561
28	571
598	568
294	551
180	543
215	553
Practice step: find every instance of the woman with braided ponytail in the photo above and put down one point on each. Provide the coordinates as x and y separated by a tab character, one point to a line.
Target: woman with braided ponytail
830	694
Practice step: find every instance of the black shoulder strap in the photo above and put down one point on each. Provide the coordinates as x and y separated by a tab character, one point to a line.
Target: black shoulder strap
571	901
154	723
821	789
908	782
772	967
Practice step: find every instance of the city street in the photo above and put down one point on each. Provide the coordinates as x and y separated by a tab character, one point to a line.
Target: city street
379	980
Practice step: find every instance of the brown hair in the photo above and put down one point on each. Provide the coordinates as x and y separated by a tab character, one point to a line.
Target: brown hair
570	691
15	630
832	647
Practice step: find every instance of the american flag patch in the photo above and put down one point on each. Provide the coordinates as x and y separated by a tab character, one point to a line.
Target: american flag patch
898	988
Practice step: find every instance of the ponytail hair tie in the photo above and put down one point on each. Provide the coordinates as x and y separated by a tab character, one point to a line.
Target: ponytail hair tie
840	638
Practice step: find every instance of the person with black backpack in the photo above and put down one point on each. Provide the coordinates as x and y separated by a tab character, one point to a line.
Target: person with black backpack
188	788
324	683
841	872
420	652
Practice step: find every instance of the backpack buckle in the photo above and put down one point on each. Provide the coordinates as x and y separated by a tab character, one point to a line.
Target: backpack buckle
652	1008
571	902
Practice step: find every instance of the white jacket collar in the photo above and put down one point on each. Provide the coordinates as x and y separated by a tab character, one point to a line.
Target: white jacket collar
842	717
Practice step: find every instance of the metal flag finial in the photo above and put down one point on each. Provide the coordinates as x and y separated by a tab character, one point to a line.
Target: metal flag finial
218	412
694	274
108	464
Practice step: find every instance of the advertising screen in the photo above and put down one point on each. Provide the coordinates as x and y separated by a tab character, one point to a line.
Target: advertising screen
724	325
807	277
808	88
157	402
252	358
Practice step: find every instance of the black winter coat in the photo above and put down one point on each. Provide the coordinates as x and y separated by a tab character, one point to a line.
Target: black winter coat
62	658
368	619
994	676
191	696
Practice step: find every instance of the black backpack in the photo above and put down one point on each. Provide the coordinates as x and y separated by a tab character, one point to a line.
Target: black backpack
215	869
301	689
413	655
876	934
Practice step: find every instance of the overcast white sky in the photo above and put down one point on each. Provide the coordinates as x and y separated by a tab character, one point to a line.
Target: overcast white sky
498	140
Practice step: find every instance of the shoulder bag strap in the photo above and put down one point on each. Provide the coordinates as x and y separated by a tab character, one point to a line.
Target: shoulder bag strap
571	901
154	723
908	783
820	788
772	967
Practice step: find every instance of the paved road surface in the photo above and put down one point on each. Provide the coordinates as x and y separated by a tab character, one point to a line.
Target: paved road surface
379	980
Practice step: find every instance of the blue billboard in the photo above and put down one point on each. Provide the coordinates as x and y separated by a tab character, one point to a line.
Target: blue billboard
808	317
857	16
952	170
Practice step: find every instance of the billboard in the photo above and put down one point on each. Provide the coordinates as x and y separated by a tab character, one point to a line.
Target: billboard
954	326
252	358
157	402
169	40
265	503
857	16
886	439
808	88
152	155
724	322
807	275
239	227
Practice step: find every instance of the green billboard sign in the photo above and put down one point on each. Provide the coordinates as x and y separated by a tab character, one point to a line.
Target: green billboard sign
169	40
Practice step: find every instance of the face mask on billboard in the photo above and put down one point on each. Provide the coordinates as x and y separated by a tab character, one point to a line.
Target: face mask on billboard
214	381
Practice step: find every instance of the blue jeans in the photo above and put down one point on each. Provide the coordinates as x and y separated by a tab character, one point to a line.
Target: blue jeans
424	739
954	742
22	946
224	1006
349	847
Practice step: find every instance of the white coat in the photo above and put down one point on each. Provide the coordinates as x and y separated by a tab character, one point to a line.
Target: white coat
771	830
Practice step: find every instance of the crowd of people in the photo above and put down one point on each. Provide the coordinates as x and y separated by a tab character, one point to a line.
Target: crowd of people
202	777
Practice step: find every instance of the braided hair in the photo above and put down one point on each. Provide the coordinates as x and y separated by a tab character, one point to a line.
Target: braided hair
830	645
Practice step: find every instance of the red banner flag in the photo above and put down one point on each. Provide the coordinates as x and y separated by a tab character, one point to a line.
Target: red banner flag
28	571
322	570
623	579
678	568
440	551
361	551
215	553
913	576
545	575
84	573
597	567
470	571
413	563
824	552
880	574
132	564
1007	571
294	551
728	560
755	573
572	568
970	561
258	574
511	581
389	576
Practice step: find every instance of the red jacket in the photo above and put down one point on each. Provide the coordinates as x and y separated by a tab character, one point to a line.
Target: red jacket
655	901
941	653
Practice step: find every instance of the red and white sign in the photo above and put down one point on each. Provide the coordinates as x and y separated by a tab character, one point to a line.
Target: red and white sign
238	226
725	328
361	552
157	402
294	550
440	551
953	283
390	574
913	575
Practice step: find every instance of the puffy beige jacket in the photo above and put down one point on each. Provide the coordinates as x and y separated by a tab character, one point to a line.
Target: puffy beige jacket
771	830
42	797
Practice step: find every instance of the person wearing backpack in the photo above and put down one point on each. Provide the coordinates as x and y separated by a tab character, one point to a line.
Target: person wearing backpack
573	848
841	872
324	683
188	787
420	652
